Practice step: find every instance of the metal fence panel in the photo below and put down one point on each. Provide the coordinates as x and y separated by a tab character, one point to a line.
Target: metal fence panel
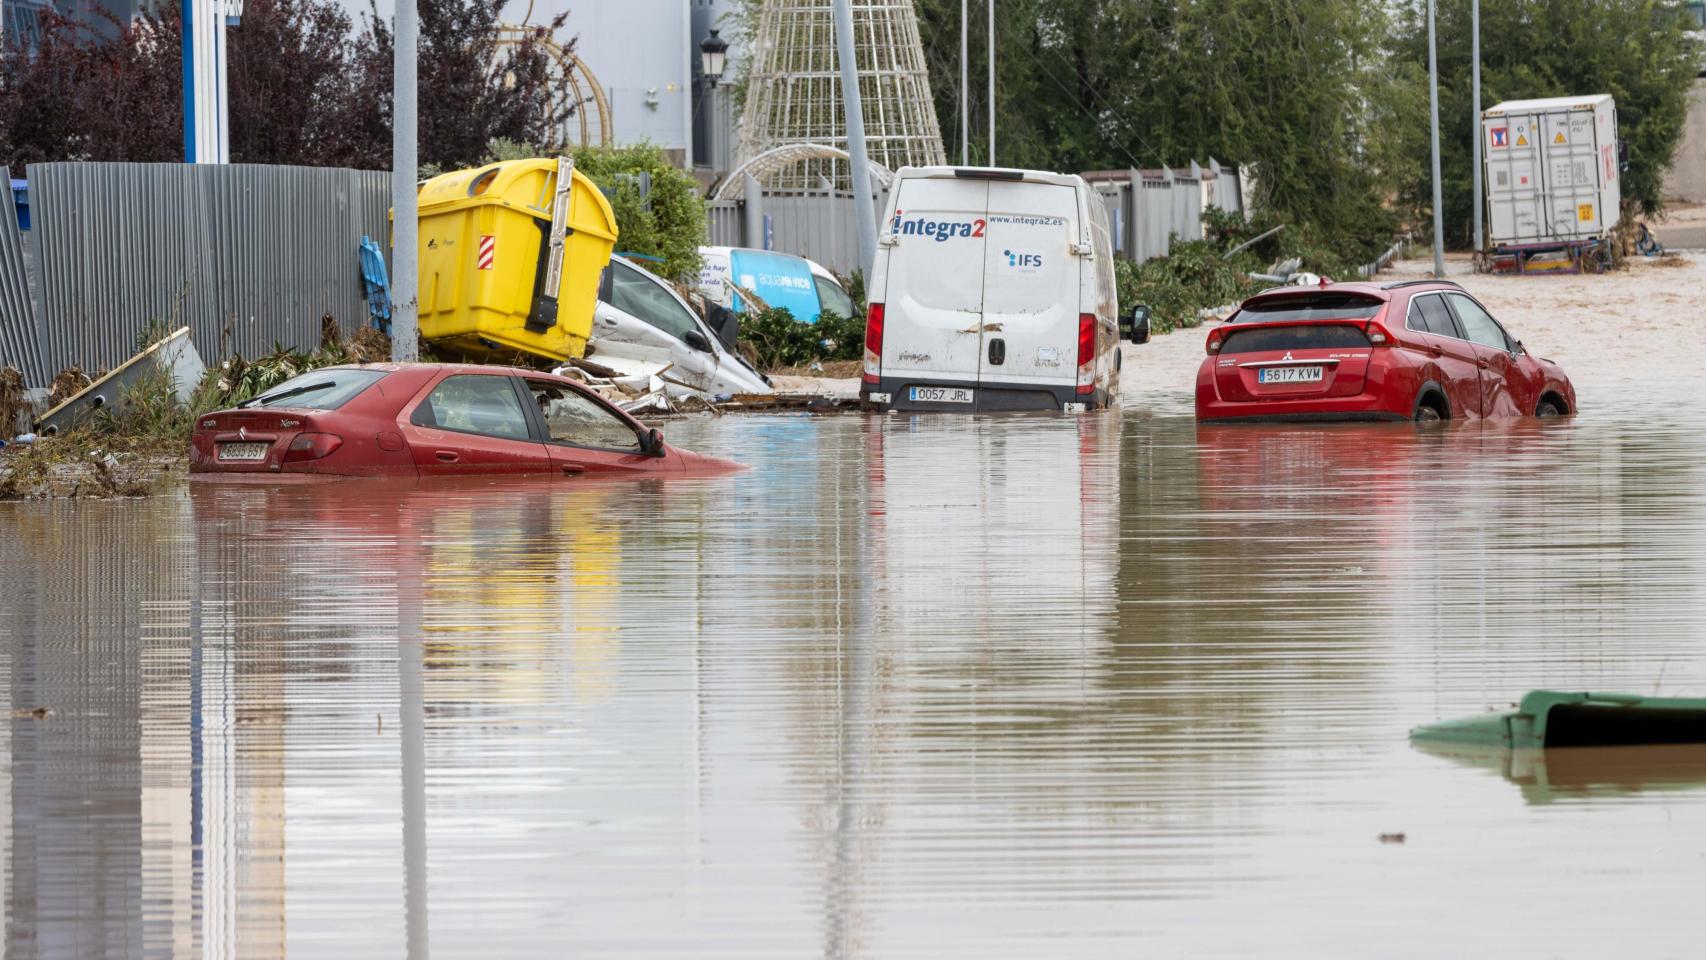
819	228
1186	220
246	255
20	334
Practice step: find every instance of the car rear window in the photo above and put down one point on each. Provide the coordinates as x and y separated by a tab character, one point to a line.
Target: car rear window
1304	336
1323	306
318	390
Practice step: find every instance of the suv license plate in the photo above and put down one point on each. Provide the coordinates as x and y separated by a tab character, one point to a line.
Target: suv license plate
1288	375
243	451
941	395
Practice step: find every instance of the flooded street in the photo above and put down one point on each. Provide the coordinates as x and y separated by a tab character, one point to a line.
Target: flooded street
937	687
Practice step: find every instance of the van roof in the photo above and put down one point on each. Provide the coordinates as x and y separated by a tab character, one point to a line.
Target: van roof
990	173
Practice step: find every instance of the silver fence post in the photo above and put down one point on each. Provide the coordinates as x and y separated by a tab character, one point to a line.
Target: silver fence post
1433	110
405	210
863	210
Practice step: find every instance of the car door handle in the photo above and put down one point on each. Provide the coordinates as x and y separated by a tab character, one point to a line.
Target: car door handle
573	469
1435	352
446	456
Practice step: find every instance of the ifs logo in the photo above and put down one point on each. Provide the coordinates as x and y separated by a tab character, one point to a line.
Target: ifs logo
1023	261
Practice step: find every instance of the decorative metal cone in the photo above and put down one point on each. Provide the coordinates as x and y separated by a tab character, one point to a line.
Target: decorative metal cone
794	90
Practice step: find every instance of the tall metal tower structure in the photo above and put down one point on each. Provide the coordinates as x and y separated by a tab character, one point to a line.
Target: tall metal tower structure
793	93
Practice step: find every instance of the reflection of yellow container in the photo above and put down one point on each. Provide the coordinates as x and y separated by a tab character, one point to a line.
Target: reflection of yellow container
485	244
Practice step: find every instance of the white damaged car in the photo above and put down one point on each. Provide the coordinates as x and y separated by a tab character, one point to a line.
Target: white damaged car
643	327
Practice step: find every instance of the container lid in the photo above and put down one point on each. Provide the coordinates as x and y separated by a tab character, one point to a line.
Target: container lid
1547	105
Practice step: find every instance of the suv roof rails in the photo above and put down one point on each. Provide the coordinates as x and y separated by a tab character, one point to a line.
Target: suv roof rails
1412	283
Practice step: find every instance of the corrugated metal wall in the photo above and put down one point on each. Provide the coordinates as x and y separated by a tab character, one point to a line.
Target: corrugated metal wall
819	228
261	251
20	337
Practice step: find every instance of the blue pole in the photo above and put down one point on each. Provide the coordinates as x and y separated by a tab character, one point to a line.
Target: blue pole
187	13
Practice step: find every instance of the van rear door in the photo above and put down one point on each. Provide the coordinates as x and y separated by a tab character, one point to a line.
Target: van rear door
1030	285
934	294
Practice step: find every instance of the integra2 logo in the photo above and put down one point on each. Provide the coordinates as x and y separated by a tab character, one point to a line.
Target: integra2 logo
942	230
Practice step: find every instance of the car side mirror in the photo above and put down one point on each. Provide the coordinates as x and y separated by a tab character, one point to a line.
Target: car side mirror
697	341
651	443
1136	325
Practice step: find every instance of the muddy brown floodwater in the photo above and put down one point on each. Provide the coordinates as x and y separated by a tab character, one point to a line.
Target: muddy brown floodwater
935	687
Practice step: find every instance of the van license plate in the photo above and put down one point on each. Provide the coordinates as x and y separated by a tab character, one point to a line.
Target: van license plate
243	451
941	395
1288	375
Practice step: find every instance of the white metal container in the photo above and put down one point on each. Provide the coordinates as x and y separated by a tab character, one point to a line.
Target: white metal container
1551	169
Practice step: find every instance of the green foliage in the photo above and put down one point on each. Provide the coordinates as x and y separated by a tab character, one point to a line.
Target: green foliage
772	338
1639	51
1194	277
669	222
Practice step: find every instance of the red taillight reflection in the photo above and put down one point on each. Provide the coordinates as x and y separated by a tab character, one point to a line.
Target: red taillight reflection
873	344
312	446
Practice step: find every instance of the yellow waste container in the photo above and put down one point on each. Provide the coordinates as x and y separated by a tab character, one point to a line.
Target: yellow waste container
486	255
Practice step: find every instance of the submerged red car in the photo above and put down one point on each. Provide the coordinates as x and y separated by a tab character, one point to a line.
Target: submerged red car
1415	350
435	419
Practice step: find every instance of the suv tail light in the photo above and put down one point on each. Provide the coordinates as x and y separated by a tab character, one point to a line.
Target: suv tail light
312	446
1086	353
873	343
1378	335
1213	345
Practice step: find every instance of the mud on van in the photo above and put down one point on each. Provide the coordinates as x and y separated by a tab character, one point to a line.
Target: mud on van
992	290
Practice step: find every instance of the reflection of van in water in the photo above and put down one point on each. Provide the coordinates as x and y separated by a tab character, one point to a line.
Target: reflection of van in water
781	279
992	290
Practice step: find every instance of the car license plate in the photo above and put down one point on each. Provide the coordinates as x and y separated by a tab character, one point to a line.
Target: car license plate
941	395
1288	375
243	451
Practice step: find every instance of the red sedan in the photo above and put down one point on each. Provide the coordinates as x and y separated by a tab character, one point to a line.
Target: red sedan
435	419
1417	350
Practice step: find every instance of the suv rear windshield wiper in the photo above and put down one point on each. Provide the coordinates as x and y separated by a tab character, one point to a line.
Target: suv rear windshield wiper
267	398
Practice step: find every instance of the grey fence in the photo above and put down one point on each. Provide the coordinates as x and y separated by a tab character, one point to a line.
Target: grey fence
20	335
819	227
245	255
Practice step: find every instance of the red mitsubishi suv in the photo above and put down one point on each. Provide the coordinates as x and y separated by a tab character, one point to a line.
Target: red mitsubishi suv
1416	350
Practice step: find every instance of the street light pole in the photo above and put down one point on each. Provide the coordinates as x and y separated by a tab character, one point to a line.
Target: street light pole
405	224
1433	111
1475	83
992	83
864	210
965	91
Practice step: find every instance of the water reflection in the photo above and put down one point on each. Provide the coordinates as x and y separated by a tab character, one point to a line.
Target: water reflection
914	686
1577	774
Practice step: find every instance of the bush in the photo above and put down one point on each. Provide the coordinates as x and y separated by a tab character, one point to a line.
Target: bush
1178	287
772	338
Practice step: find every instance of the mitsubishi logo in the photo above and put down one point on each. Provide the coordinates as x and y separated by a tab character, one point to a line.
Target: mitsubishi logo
1287	355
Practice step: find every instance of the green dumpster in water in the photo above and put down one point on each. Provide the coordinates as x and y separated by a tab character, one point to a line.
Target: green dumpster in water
1549	718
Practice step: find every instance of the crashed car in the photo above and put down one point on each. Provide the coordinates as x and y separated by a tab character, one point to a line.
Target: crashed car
433	419
643	328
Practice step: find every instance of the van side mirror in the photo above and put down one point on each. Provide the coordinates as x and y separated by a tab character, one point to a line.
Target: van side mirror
1135	326
651	442
697	341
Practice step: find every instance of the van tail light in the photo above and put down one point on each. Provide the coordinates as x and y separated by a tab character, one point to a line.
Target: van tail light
1378	335
312	446
873	343
1086	353
1213	345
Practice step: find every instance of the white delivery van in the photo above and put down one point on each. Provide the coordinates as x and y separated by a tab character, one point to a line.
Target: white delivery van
1551	169
992	290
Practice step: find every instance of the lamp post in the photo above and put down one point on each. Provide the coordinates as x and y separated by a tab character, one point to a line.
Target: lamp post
713	57
713	52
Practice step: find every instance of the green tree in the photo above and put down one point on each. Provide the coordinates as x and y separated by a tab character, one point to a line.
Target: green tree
1639	51
666	220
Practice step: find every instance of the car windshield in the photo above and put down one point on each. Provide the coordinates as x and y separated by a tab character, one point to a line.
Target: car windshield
833	298
1321	306
318	389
